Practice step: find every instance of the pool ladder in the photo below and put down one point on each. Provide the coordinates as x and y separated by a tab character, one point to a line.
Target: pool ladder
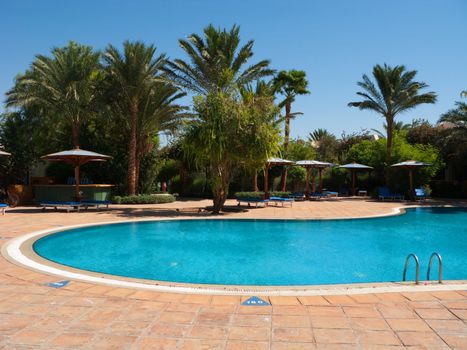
417	267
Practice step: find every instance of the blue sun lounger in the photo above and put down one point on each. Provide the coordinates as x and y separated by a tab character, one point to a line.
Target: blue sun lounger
3	207
317	195
250	200
384	193
95	203
281	200
420	194
58	204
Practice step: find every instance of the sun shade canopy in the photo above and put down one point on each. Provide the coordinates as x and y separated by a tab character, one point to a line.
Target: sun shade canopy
355	166
314	164
279	161
76	156
411	164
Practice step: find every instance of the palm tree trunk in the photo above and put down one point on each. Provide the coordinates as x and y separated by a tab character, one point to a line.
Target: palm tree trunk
288	108
75	134
255	181
132	145
183	178
389	131
220	187
137	169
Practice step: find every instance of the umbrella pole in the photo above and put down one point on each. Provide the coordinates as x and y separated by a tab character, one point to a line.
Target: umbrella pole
77	195
307	183
313	185
266	182
411	183
320	180
353	183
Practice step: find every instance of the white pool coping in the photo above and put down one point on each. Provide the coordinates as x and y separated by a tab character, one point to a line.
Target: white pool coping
13	251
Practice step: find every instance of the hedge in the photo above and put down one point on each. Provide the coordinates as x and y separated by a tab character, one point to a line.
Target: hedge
261	194
144	199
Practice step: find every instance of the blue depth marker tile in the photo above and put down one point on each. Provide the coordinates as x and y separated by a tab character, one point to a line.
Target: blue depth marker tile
58	284
255	301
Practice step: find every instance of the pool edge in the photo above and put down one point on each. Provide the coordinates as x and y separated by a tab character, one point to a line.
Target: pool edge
19	251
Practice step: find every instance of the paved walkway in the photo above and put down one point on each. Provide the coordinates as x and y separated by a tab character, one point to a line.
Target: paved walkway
88	316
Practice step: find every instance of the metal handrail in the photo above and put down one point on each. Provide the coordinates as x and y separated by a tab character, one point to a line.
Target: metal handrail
440	275
417	267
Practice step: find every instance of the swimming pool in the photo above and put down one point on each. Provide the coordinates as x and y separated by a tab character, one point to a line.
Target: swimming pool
267	252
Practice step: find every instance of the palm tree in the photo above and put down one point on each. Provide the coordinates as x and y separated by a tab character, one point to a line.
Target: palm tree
397	126
157	113
62	85
319	134
289	84
131	74
216	63
395	92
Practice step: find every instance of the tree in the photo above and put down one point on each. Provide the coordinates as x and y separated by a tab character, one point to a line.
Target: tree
228	134
158	112
290	84
394	91
216	63
131	76
61	87
325	144
396	127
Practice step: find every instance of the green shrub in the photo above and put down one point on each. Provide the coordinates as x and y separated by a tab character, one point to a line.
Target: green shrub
279	194
144	199
261	194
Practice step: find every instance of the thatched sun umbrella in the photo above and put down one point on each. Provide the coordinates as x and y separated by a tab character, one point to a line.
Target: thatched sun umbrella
76	157
410	165
270	163
309	165
354	168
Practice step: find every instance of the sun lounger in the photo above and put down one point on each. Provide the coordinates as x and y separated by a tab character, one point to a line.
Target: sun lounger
281	200
331	194
65	205
94	203
251	200
384	193
317	195
3	207
298	196
420	194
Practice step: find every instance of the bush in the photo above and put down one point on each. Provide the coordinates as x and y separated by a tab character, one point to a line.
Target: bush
261	194
144	199
258	195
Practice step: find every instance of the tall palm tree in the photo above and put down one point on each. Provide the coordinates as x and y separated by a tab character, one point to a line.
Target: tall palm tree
290	84
158	112
394	91
62	85
216	62
131	75
397	126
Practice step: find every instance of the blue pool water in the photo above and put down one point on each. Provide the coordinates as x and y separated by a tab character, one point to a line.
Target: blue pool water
268	252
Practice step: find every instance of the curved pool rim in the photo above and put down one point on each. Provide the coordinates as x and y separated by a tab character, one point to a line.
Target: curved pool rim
20	251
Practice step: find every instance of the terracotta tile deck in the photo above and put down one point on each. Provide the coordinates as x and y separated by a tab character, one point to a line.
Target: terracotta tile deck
87	316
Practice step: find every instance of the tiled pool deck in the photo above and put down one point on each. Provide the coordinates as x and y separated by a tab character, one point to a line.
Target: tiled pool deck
89	316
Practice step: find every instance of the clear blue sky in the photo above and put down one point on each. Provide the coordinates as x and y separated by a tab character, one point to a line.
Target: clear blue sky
335	42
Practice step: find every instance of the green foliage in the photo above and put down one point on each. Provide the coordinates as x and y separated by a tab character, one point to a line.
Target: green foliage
230	134
216	63
300	150
62	87
144	199
394	91
260	195
290	84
